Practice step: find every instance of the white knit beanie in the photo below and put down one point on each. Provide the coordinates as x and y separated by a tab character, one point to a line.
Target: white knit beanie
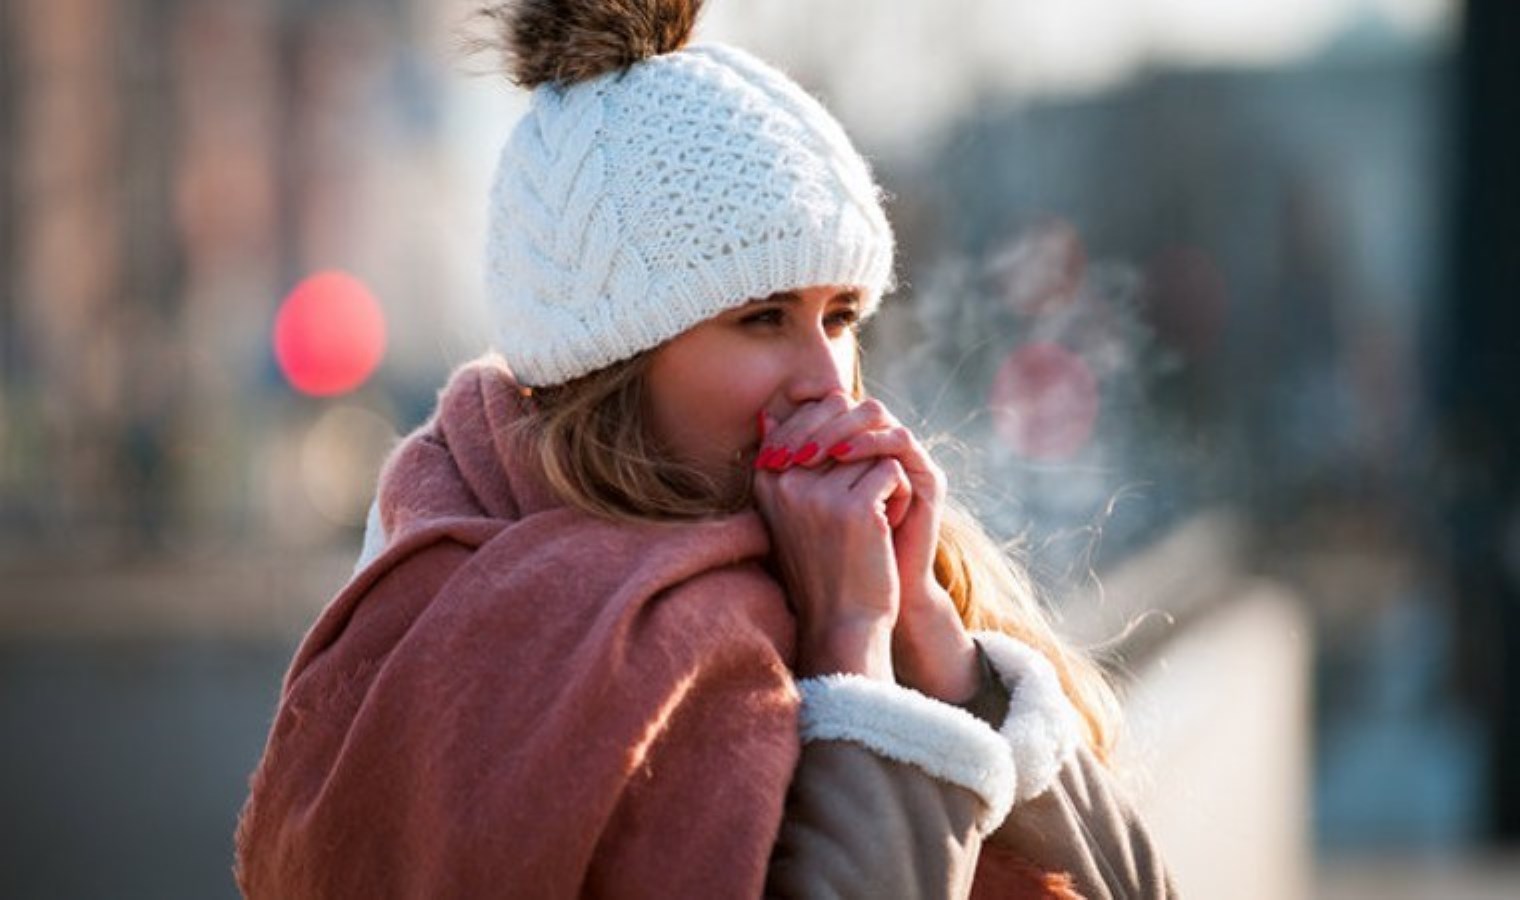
651	186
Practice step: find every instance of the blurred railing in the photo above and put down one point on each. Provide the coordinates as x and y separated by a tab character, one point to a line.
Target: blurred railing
260	596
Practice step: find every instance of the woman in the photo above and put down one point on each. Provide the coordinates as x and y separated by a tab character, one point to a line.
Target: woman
660	604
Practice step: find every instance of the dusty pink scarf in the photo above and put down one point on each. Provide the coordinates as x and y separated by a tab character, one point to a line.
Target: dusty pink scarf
517	698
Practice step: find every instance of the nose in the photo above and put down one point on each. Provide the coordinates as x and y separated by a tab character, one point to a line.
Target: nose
820	365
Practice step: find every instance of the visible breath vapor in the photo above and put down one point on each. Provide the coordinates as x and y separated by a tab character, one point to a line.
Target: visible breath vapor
1030	374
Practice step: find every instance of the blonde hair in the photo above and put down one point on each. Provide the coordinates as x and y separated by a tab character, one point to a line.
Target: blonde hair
590	436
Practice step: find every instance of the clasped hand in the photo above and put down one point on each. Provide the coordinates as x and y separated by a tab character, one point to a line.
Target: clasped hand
854	503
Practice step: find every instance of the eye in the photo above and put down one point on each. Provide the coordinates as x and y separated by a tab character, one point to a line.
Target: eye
846	318
772	316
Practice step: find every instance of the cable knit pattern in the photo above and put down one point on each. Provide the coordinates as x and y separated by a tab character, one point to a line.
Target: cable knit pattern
631	206
1042	727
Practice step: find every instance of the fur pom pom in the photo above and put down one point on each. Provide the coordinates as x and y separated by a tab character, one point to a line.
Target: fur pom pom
567	41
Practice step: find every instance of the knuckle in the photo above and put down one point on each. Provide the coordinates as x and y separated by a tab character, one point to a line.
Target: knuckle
835	404
873	408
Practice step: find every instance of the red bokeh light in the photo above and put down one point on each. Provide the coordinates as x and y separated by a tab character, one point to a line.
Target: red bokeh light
329	335
1044	401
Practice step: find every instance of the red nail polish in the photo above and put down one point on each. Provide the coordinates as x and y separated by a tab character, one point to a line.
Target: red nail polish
781	459
760	423
839	450
762	459
808	451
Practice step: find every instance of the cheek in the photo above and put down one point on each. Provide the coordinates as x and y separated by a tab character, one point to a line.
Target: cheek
704	404
723	402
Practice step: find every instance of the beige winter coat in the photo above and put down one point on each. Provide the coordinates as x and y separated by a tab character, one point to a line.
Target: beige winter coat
859	825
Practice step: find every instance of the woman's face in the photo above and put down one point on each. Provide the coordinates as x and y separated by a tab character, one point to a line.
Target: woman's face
707	385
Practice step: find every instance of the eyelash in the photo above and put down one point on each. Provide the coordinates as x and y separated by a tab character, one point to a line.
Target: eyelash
848	317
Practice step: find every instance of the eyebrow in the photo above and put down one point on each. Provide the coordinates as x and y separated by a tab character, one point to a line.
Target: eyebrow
849	296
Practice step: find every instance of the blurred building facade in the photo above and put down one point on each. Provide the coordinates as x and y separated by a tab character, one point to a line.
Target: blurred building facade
1278	237
171	169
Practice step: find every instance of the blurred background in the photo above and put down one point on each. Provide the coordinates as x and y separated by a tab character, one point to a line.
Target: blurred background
1211	306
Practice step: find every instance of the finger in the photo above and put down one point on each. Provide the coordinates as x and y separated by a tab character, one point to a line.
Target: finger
833	484
885	486
791	435
897	505
805	495
901	444
830	437
897	508
900	501
833	480
902	496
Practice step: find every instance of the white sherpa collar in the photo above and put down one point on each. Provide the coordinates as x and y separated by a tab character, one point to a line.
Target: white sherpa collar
1018	762
1042	728
901	724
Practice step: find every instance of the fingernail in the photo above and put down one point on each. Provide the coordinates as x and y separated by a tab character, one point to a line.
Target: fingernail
808	451
839	450
760	423
781	459
762	459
